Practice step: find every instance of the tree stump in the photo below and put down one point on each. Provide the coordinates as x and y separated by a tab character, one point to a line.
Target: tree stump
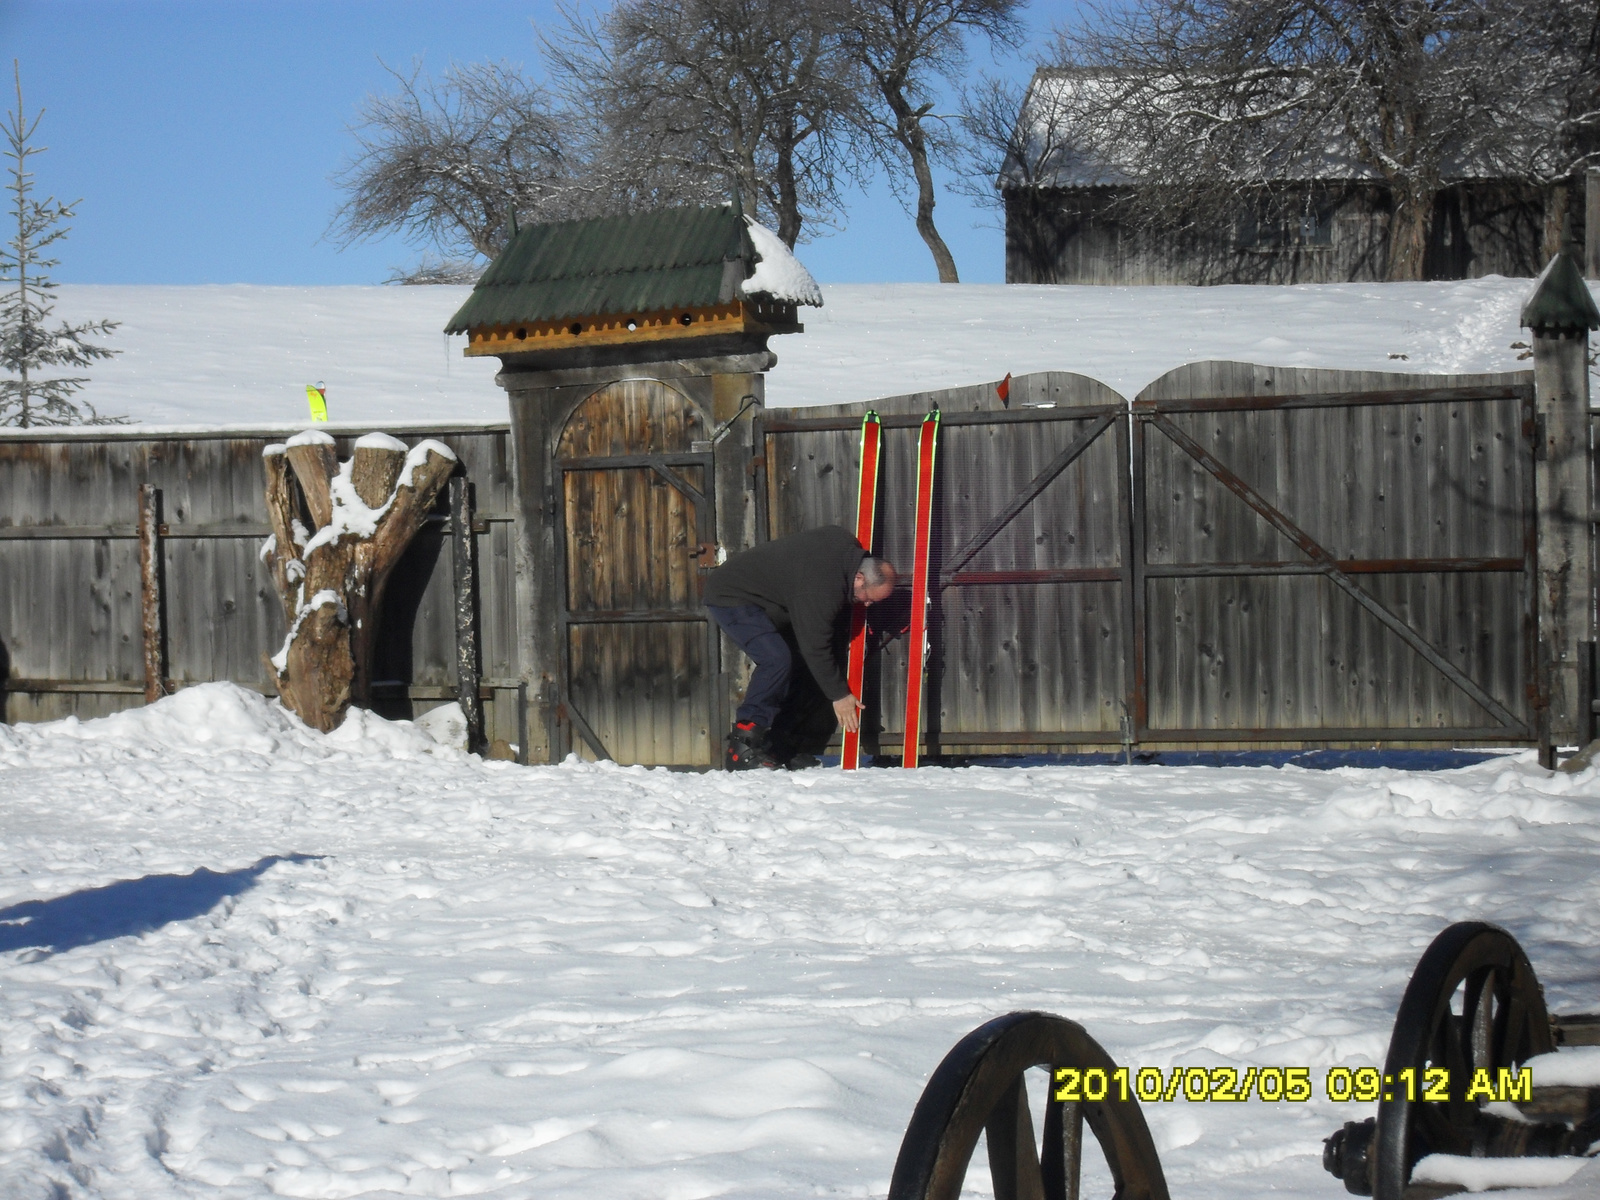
337	531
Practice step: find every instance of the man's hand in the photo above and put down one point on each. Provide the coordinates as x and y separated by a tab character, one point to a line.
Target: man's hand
848	710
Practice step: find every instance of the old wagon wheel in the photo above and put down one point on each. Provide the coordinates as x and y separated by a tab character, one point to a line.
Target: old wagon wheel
979	1088
1502	1023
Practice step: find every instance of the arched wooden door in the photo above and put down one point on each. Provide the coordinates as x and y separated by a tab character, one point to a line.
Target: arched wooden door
639	652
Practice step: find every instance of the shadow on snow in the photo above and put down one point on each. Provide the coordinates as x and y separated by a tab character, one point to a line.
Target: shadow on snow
129	906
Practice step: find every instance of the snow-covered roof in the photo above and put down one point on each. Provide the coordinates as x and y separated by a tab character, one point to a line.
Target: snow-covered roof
656	261
778	274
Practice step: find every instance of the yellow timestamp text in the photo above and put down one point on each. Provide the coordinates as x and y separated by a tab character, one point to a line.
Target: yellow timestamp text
1430	1086
1232	1085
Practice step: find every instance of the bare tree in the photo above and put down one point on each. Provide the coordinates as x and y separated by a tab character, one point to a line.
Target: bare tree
1016	146
902	45
28	343
751	96
447	163
431	270
1023	136
1559	41
1205	102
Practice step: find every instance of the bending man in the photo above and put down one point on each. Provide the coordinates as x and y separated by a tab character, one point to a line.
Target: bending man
801	583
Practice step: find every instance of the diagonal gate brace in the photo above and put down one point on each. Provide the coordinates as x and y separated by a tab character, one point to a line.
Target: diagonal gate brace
1330	567
679	482
586	732
1025	497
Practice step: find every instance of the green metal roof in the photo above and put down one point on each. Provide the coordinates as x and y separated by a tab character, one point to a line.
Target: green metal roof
1561	302
670	258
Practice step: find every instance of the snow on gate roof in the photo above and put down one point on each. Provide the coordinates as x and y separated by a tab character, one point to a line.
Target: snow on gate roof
646	262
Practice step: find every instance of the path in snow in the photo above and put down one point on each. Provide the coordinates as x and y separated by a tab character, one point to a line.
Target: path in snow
603	982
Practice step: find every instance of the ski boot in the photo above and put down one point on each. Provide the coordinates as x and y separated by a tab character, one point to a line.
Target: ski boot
750	748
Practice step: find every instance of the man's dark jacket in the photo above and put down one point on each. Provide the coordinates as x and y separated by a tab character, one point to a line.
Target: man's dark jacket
803	582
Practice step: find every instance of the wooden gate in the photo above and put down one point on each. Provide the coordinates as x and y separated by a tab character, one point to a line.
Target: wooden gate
1335	566
1205	566
1029	633
639	655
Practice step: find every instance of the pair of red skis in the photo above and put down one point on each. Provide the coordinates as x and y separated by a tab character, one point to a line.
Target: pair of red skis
866	512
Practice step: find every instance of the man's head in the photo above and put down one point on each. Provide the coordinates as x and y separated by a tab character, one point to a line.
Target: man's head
875	580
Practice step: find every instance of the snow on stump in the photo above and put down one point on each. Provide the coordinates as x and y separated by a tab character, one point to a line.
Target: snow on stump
338	528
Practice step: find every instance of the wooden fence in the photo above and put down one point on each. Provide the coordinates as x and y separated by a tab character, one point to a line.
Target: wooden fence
1241	555
70	580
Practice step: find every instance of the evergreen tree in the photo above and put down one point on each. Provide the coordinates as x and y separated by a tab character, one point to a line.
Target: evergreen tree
27	342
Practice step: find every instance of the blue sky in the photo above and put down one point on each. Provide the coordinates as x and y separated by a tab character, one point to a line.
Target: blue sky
201	136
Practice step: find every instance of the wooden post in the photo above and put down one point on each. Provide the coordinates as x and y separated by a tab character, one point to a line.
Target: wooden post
534	425
1560	313
464	566
522	724
1591	225
150	598
1586	692
736	400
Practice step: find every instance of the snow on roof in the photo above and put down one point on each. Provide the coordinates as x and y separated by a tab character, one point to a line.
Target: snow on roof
778	272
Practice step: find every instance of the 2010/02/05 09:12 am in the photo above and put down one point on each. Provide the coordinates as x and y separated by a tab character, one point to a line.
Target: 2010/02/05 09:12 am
1293	1084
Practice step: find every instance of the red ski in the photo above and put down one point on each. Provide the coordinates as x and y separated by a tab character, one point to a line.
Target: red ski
917	643
866	512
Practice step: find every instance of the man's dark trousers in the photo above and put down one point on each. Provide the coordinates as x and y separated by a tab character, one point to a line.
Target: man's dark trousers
754	633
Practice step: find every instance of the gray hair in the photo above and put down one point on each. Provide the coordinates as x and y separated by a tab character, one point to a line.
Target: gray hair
877	571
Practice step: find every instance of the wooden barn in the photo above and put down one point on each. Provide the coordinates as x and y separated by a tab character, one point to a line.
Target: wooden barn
1062	223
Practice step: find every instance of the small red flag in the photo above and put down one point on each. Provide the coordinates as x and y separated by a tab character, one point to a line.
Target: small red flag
1004	390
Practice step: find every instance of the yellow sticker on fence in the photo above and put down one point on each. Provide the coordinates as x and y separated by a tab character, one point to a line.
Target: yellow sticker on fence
318	399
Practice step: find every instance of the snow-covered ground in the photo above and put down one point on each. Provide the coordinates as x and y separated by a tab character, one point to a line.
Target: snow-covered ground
243	355
239	959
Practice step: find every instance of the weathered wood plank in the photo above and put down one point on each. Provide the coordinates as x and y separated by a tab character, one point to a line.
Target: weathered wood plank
70	592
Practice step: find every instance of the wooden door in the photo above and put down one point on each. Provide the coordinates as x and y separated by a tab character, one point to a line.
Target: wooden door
639	650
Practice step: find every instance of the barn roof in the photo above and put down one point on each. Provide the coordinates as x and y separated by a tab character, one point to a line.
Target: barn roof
643	262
